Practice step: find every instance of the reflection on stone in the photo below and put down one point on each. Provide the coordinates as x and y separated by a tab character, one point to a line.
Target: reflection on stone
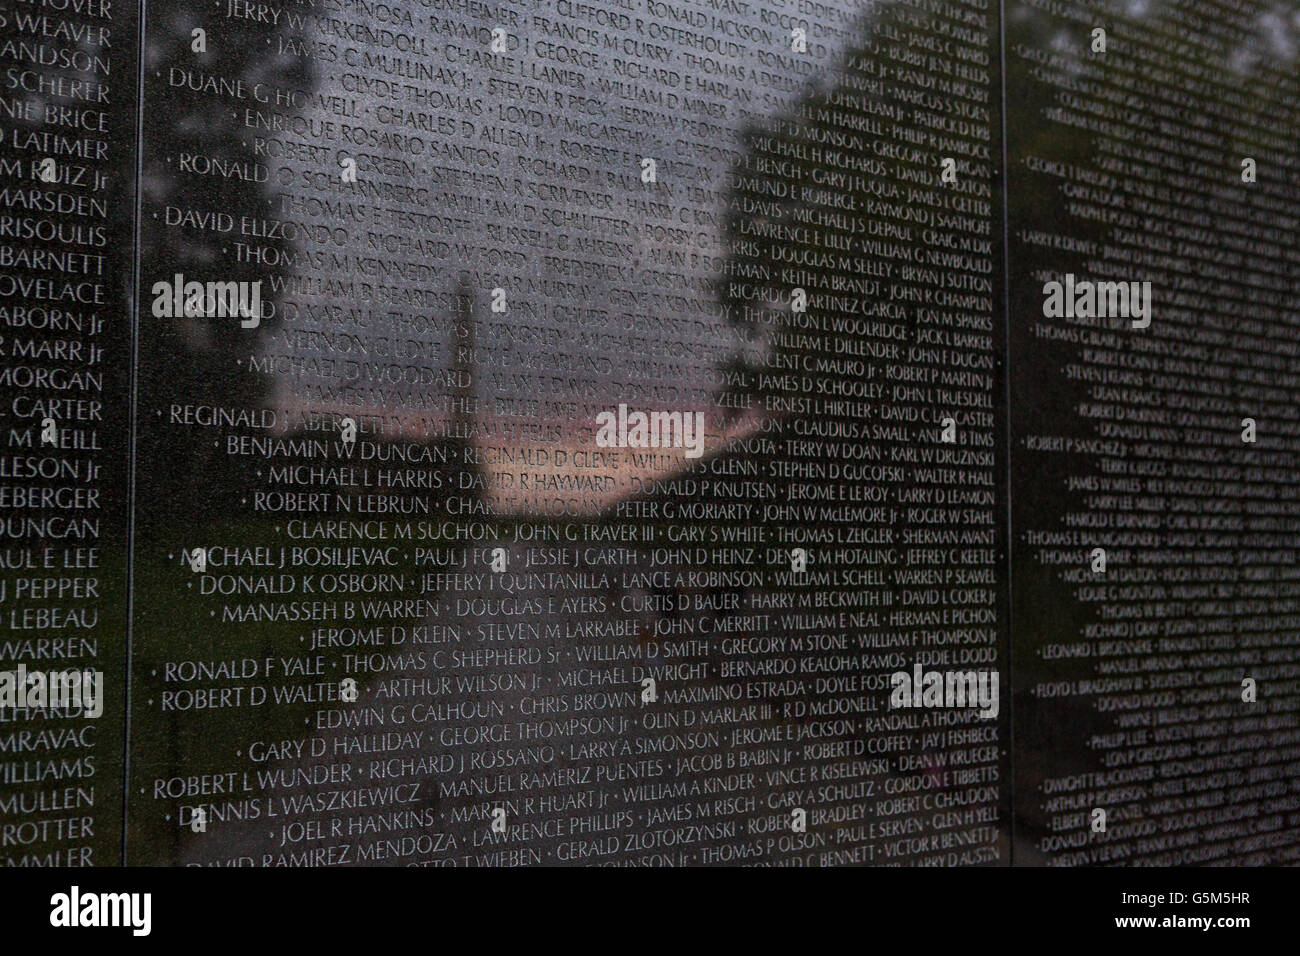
639	434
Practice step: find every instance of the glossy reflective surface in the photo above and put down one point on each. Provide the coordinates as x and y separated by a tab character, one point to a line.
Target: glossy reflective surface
401	578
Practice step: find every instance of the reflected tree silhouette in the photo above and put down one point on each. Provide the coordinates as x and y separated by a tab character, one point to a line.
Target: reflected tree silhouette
189	120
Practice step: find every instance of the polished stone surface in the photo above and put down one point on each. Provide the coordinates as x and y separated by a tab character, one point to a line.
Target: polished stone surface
396	578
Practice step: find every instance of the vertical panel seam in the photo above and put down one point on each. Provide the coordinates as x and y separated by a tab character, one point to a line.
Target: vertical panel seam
133	315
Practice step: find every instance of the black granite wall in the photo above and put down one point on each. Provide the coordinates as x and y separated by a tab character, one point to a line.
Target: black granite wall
644	433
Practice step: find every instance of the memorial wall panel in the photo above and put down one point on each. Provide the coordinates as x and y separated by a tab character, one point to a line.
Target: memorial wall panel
437	595
68	108
1154	489
472	433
